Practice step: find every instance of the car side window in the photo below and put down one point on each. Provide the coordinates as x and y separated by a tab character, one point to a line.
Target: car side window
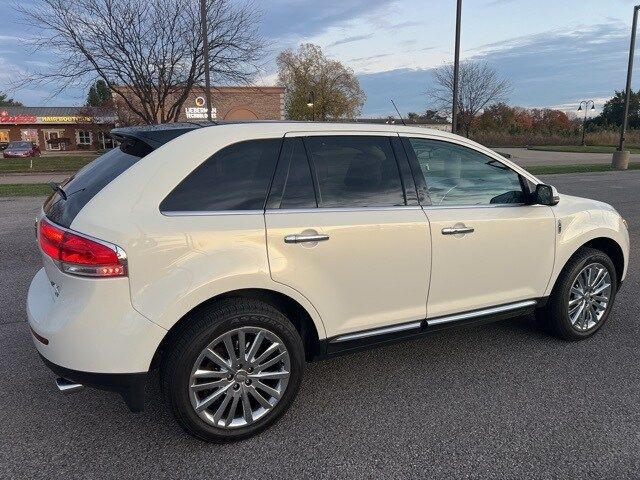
457	175
292	185
235	178
355	171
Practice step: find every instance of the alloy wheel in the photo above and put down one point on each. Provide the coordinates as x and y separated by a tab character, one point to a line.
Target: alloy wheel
239	377
589	297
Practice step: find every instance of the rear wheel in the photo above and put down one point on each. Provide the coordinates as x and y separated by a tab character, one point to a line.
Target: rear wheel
233	371
583	296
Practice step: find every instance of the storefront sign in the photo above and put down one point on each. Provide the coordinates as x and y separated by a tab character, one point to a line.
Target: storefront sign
32	119
199	112
18	118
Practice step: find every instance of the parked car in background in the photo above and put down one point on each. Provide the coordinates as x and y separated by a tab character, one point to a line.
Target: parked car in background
21	149
227	256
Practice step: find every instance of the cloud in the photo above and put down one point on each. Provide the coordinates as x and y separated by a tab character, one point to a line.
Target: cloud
371	57
351	39
305	18
546	69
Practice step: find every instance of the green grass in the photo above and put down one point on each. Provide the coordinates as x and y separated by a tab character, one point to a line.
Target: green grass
581	149
25	190
45	164
554	169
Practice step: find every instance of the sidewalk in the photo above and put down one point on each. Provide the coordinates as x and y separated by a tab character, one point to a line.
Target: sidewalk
13	178
528	158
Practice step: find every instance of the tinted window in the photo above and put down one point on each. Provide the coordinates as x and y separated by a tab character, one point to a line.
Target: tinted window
85	184
235	178
293	185
355	171
457	175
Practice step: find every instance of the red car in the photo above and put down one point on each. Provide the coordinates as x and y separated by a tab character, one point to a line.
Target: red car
21	149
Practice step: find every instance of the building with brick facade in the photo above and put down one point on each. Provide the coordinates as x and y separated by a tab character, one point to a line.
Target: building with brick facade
57	128
84	128
227	103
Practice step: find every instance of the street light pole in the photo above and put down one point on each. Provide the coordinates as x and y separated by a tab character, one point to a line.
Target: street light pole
584	122
621	157
205	56
456	70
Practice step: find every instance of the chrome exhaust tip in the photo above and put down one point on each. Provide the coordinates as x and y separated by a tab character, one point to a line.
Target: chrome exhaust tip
67	386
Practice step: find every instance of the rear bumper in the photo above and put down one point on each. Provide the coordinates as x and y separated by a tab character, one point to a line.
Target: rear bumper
89	325
129	385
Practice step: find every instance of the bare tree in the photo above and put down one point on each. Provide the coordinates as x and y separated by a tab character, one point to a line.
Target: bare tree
310	77
149	53
479	86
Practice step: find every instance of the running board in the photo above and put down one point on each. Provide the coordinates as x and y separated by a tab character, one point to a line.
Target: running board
407	329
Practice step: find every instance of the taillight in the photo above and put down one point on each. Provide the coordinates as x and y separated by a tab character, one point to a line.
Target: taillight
79	255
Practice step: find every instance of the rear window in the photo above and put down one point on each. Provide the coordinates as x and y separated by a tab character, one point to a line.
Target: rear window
85	184
235	178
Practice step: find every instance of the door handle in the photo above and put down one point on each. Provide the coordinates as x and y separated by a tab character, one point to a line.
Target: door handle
306	238
457	230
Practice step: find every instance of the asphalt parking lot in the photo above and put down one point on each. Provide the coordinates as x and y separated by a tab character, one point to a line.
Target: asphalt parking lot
499	401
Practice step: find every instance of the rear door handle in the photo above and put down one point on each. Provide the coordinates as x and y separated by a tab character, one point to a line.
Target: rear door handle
457	230
306	238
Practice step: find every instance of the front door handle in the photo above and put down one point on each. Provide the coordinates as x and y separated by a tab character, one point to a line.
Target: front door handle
457	230
306	238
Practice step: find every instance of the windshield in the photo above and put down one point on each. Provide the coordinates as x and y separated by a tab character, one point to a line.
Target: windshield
19	145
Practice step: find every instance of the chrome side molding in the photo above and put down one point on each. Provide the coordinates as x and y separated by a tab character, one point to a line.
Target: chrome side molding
67	386
481	313
378	331
417	326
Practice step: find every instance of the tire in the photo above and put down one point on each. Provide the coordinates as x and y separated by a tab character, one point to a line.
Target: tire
226	322
556	313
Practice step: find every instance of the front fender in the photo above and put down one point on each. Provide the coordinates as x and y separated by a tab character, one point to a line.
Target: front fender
580	226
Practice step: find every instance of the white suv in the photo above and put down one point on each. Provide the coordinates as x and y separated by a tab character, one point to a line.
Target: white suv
228	255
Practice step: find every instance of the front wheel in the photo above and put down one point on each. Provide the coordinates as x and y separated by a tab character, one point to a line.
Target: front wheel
233	371
583	296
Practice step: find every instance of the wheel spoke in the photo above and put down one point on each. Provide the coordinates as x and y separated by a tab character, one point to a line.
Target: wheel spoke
208	385
601	288
246	407
269	375
255	345
209	374
217	359
220	411
232	410
241	346
269	351
576	290
578	315
261	400
231	351
271	391
211	398
598	277
271	362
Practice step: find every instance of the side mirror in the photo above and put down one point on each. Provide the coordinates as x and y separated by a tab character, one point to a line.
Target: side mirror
546	195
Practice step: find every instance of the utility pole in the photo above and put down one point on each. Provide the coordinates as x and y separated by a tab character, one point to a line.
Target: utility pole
620	159
456	70
205	56
584	122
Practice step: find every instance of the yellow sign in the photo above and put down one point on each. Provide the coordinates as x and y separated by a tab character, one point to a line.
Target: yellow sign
65	119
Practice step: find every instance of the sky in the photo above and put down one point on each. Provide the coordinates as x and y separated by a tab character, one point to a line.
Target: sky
553	52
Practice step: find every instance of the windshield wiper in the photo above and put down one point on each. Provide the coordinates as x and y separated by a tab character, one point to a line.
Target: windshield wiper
57	188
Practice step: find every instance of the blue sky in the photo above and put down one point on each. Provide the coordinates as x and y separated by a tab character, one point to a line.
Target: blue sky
554	52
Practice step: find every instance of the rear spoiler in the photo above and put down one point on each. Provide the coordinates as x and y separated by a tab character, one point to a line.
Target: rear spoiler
142	140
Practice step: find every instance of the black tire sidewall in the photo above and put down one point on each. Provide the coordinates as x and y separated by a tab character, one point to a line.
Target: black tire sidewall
194	340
